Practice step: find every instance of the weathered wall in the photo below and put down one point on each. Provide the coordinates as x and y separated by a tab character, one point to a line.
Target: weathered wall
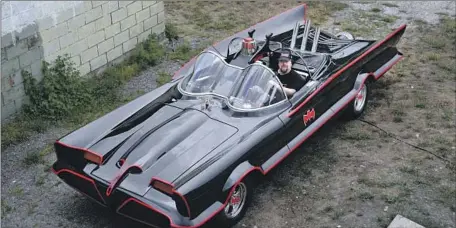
93	33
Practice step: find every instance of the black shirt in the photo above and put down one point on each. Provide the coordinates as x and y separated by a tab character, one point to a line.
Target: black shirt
292	80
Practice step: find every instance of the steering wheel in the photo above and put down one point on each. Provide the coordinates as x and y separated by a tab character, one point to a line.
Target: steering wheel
304	62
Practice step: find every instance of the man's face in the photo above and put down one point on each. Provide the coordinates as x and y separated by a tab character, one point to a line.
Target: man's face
284	65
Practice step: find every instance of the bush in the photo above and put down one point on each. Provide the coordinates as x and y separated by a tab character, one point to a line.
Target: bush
59	93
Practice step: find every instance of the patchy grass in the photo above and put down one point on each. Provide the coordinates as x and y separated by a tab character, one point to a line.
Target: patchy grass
216	21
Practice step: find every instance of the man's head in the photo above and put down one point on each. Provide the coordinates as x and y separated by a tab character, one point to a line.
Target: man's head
285	61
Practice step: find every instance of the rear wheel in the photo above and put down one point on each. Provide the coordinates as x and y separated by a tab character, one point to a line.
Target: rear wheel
237	204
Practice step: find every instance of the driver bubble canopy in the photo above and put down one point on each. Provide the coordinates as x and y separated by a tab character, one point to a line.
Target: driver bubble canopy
246	88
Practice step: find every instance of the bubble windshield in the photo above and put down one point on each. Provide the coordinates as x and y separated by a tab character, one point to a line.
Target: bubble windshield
253	87
212	75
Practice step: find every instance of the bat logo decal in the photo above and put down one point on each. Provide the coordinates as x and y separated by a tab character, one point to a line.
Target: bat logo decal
310	115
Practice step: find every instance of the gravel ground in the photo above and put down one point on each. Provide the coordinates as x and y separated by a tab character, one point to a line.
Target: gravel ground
33	197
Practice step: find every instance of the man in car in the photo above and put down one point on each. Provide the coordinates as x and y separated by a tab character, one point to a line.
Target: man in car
290	79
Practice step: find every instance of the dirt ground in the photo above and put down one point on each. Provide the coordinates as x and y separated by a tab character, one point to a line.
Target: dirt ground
350	174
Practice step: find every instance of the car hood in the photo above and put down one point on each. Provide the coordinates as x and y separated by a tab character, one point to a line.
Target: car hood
164	146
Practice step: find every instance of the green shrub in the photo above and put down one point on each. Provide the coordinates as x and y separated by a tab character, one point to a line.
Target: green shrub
59	93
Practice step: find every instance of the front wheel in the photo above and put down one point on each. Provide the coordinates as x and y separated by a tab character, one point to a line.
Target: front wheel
359	103
237	204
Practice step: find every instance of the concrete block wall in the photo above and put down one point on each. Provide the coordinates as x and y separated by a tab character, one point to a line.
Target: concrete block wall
93	33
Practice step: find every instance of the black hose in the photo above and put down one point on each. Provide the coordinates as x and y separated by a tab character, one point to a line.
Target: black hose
397	138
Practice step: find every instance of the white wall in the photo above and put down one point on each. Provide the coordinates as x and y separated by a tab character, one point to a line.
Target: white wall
16	15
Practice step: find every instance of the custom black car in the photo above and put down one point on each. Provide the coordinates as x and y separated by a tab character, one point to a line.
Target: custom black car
189	151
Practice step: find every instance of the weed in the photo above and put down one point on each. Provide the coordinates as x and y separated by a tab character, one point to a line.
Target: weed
163	78
148	53
432	56
171	32
365	196
376	10
17	191
420	105
184	52
387	4
5	208
33	159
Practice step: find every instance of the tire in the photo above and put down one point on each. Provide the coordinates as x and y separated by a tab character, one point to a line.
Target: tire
232	214
345	36
356	107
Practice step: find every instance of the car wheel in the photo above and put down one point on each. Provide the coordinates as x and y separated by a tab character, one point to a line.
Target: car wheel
345	36
359	103
237	204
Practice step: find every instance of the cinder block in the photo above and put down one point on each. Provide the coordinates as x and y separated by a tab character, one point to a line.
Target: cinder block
160	6
89	54
96	38
146	4
143	36
98	62
109	7
15	78
20	48
133	8
161	17
136	30
93	14
28	31
36	70
16	92
106	45
84	69
142	15
8	40
83	7
68	39
124	3
10	66
154	9
158	29
7	83
114	53
103	22
30	56
118	15
76	22
4	58
97	3
86	30
64	15
130	44
51	47
76	60
112	30
8	110
128	22
121	37
54	32
77	48
45	23
151	22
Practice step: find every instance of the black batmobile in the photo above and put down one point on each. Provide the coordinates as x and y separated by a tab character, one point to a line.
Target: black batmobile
188	151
